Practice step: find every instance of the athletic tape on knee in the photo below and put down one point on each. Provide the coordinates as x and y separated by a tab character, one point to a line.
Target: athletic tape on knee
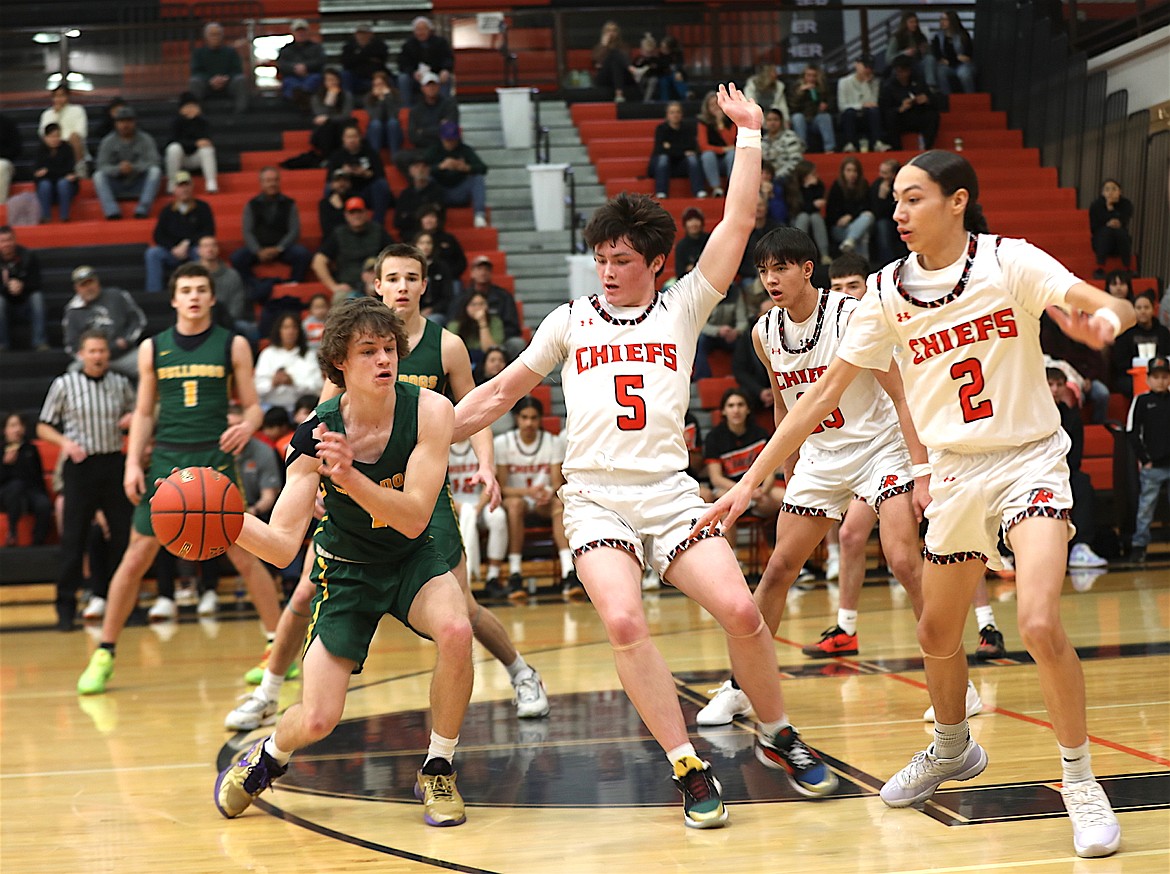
628	646
759	628
958	649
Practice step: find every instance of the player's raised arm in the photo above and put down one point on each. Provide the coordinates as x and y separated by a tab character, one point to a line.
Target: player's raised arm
724	251
486	403
462	384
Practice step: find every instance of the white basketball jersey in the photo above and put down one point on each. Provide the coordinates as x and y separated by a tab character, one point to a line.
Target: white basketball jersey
970	358
800	352
626	375
528	464
461	467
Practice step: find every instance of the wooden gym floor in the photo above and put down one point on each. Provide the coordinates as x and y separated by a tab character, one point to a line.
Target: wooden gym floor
123	782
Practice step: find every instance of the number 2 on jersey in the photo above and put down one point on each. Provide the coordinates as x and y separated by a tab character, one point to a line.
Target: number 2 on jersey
635	419
971	368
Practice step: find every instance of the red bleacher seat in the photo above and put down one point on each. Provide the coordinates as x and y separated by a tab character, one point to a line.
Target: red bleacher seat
711	390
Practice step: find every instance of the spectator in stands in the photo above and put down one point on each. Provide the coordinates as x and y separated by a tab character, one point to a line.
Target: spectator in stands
857	102
112	311
731	447
1109	218
460	172
886	245
332	109
727	321
645	67
767	89
367	176
747	275
908	41
716	136
429	114
231	296
847	212
127	166
331	207
313	323
20	291
1149	435
494	361
952	48
747	368
22	481
11	148
782	148
54	174
300	64
271	227
369	274
691	243
675	153
809	105
423	52
216	70
476	325
907	105
107	123
1084	516
176	232
363	55
276	428
1119	283
810	218
338	263
500	304
1091	364
775	194
1149	338
612	71
287	368
440	291
190	147
422	193
432	219
671	69
74	127
384	130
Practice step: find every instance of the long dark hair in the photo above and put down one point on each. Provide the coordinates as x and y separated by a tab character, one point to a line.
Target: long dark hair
952	172
277	327
468	327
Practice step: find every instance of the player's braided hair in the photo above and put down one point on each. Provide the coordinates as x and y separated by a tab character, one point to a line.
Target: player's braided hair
951	172
637	217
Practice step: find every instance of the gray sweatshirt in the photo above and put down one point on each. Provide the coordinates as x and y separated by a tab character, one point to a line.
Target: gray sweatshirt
140	150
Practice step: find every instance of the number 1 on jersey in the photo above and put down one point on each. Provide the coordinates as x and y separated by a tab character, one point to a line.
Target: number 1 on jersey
635	419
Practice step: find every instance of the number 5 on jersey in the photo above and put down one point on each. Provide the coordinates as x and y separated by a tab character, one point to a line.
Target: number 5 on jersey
623	386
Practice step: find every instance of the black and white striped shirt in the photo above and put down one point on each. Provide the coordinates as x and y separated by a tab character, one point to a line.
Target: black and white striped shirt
86	410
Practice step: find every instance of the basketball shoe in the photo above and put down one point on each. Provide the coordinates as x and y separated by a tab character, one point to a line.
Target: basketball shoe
918	780
517	594
1096	831
531	699
240	782
255	711
442	803
807	772
702	804
728	702
94	678
974	704
255	676
571	588
834	642
990	644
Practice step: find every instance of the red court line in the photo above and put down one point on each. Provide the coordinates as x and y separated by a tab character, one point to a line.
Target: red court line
1122	748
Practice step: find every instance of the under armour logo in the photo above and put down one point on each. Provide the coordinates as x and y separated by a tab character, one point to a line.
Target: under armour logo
903	317
583	322
1041	496
948	479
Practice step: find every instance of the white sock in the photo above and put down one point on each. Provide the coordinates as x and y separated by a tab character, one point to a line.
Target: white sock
1076	763
493	572
834	550
517	667
985	616
950	740
514	559
769	730
441	747
566	557
270	636
678	753
847	619
270	685
276	752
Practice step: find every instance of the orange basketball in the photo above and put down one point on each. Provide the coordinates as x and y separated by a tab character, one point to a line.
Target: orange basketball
197	513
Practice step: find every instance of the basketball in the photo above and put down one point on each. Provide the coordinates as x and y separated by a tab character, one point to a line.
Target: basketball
197	513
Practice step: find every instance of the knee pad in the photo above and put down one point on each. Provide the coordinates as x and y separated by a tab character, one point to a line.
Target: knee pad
758	629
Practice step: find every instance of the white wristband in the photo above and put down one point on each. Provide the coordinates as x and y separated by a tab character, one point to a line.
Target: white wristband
918	470
747	139
1111	317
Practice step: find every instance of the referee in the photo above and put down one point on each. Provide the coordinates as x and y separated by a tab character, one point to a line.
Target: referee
84	414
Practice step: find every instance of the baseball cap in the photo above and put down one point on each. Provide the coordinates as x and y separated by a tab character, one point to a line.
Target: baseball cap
182	177
364	27
369	264
124	112
84	272
1158	363
428	78
299	24
449	130
354	204
692	212
482	259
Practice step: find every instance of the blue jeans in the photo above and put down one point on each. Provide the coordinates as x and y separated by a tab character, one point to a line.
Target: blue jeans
62	189
295	256
385	134
308	84
663	171
714	165
1098	394
868	119
159	262
823	122
963	75
857	231
110	189
30	305
813	224
471	189
1152	480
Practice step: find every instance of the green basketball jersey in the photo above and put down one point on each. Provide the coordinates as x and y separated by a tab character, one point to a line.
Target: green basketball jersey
194	387
424	365
348	531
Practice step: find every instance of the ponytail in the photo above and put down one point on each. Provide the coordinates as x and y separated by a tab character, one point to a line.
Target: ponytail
974	220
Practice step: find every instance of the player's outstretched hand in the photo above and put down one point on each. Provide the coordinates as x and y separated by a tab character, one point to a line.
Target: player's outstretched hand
1093	331
741	109
724	511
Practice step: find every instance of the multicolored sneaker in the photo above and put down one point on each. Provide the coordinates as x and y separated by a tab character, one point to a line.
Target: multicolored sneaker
835	641
93	679
990	644
239	783
702	804
255	676
442	803
1096	831
918	780
807	773
531	698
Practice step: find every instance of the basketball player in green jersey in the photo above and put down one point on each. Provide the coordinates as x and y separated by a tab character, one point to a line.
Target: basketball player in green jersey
438	361
190	371
378	453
